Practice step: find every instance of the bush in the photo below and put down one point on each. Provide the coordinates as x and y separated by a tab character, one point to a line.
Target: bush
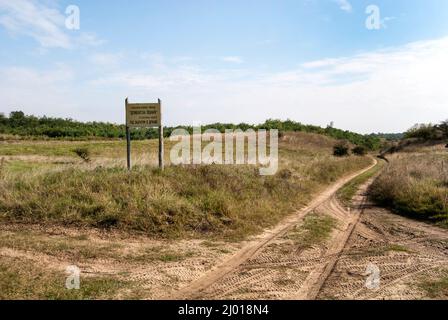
427	132
83	153
340	150
359	151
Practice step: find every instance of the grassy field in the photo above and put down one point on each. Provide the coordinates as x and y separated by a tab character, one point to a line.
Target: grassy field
415	184
38	186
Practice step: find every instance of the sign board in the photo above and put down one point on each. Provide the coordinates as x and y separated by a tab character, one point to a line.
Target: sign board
143	115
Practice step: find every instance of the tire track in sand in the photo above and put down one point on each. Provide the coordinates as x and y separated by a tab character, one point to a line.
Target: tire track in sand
230	277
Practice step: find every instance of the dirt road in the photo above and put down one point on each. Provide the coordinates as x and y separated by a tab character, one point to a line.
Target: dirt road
273	266
262	259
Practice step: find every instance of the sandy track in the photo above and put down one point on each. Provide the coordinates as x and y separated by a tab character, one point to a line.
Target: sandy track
240	272
405	251
274	267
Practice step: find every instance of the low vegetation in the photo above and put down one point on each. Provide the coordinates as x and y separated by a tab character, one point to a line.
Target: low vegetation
415	185
216	201
436	289
315	230
348	191
201	200
20	280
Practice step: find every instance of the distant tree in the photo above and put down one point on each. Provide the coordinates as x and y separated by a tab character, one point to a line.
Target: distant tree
17	118
20	124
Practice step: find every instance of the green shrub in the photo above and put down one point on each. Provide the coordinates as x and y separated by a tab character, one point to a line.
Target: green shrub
359	151
340	150
83	153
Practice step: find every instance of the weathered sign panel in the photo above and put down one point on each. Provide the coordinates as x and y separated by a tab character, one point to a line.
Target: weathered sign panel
143	115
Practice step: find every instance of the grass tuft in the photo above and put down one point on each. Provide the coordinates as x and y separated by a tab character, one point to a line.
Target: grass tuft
315	230
436	289
348	191
25	281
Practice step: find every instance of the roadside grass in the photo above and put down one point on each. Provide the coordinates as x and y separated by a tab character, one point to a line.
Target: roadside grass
382	250
348	191
21	280
215	201
315	230
398	248
415	185
436	289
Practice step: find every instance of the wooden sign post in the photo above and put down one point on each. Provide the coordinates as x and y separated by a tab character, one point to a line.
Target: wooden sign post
144	115
161	146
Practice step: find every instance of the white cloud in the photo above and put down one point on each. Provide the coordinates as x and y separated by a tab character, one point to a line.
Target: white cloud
344	5
384	90
38	92
233	59
45	24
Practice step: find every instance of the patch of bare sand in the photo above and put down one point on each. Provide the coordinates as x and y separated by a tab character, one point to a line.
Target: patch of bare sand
155	267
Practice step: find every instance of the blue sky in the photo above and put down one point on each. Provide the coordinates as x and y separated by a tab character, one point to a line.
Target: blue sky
313	61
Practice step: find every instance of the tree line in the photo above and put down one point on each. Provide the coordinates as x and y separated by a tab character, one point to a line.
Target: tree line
17	123
428	131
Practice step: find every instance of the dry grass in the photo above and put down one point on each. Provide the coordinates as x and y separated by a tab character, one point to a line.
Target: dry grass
415	185
20	280
315	230
436	288
202	201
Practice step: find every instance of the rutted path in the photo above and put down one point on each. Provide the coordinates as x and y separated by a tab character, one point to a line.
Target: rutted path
273	267
406	252
258	271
